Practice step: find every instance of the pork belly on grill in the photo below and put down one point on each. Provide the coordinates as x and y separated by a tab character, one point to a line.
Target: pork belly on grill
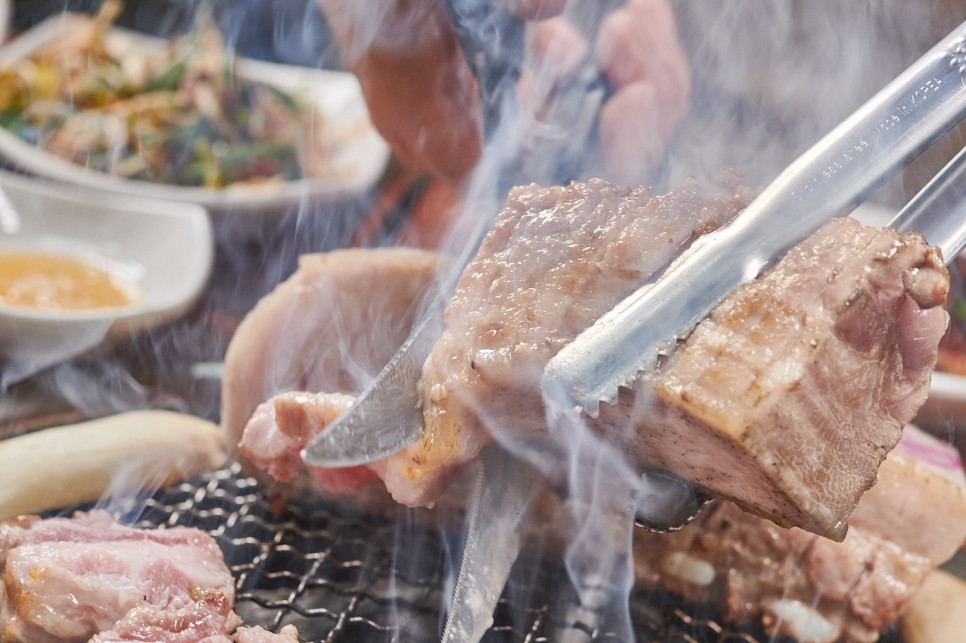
71	579
206	618
281	427
625	237
287	634
556	259
810	588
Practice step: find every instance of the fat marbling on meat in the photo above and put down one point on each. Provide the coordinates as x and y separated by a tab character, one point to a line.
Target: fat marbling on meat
279	354
71	579
785	399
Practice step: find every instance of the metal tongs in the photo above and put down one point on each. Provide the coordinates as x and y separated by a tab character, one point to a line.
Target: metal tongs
830	179
835	175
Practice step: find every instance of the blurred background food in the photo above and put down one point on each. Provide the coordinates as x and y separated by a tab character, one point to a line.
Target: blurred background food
285	31
180	115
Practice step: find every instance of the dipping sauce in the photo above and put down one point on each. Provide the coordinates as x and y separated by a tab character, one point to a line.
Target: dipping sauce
51	282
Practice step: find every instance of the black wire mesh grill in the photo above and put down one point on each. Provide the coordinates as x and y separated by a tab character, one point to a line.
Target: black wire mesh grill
344	576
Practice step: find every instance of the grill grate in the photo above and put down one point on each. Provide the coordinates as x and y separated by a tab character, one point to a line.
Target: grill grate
341	576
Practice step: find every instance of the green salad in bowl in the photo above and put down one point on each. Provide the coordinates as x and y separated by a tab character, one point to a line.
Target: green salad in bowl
177	115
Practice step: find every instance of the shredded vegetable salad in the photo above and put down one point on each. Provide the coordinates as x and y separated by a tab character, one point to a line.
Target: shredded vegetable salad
179	115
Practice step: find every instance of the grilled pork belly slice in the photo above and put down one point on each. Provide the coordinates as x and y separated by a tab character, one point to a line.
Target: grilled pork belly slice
556	259
936	614
330	327
920	483
194	624
790	394
785	400
71	579
810	588
625	235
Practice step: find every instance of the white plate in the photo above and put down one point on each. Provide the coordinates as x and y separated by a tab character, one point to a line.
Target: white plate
359	158
163	249
946	405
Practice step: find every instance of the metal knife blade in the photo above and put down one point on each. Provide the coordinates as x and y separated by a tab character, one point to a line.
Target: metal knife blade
387	416
504	491
835	175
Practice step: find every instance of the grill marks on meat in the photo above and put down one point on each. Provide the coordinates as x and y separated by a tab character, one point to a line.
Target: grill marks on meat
71	579
556	259
798	583
790	394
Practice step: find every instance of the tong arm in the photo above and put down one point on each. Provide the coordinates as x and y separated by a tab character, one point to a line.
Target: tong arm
938	211
831	178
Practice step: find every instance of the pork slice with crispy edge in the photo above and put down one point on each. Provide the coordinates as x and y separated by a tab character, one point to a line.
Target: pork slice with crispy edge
69	579
790	394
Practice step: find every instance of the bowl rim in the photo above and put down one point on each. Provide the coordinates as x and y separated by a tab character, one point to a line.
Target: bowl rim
198	222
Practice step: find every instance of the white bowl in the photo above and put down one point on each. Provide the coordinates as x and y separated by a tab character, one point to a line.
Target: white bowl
163	249
359	154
